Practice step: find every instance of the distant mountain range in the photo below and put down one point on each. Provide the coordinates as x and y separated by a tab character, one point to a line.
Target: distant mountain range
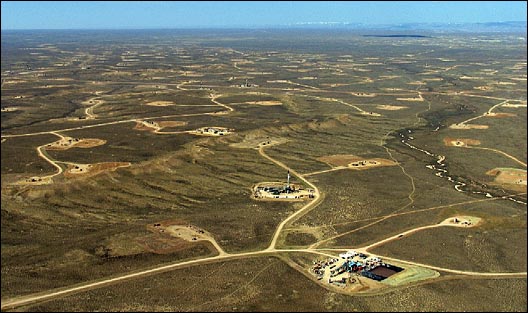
510	26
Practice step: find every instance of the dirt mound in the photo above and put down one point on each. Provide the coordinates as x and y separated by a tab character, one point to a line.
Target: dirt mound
460	142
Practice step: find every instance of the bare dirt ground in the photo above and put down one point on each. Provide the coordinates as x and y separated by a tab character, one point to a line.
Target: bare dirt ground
172	123
265	102
500	114
67	143
160	241
180	230
459	142
140	125
161	103
468	126
76	170
511	105
10	109
35	181
510	177
462	221
256	141
370	163
409	99
347	159
390	107
211	131
363	94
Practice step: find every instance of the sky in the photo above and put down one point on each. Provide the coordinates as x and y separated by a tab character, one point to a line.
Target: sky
211	14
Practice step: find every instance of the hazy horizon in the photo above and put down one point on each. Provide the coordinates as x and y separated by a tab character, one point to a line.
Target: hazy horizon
92	15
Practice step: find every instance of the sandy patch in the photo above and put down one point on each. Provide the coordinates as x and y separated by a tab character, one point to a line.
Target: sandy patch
10	109
411	99
460	142
257	142
468	126
256	93
307	78
172	123
160	103
492	114
369	163
354	162
510	176
146	125
69	142
93	169
334	85
173	235
117	73
265	102
35	181
300	70
511	105
390	107
187	232
369	113
471	77
192	74
462	221
363	94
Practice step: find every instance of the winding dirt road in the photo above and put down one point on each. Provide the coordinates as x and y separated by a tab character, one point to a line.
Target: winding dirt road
13	303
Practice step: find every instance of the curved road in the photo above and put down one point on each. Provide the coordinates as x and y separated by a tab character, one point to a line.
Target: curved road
301	210
24	300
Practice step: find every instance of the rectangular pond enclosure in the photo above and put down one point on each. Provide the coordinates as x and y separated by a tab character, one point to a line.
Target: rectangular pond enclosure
382	272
